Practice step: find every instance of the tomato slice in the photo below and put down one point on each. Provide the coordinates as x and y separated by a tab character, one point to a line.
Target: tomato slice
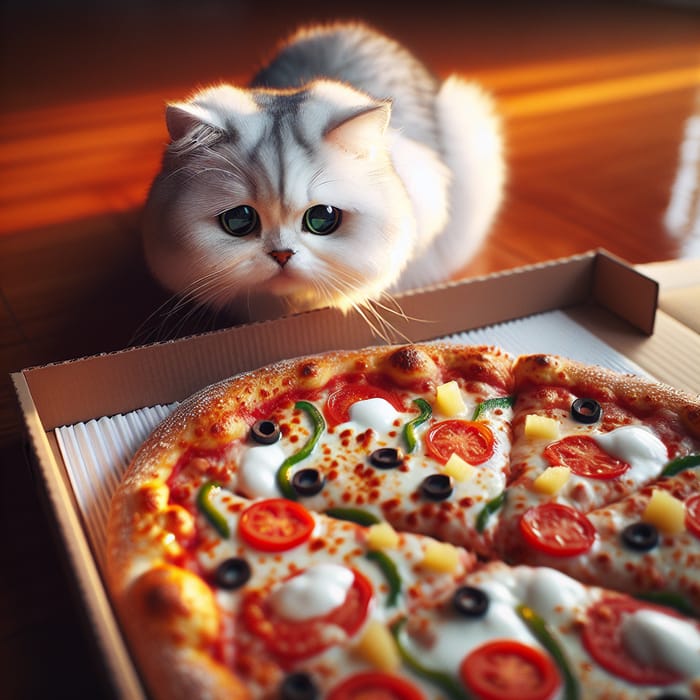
337	409
602	639
275	525
505	669
374	685
293	640
473	441
583	455
557	529
692	514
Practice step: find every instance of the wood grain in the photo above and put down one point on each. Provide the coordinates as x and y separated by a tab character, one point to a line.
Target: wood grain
599	103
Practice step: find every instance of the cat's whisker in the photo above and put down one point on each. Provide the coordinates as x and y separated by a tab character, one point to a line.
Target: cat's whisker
187	307
393	307
160	325
379	326
341	284
390	331
143	333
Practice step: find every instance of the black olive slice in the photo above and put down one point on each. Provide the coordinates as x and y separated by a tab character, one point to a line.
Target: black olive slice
640	536
386	458
266	432
437	487
232	573
308	482
470	601
586	411
298	686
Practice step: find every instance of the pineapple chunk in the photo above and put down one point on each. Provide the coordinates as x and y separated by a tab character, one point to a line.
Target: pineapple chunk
448	399
457	468
665	512
551	480
441	556
541	427
378	648
382	536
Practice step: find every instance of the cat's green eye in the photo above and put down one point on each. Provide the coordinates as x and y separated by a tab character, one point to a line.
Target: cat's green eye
240	221
322	219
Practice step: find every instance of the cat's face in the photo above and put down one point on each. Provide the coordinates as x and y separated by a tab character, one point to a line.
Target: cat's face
290	194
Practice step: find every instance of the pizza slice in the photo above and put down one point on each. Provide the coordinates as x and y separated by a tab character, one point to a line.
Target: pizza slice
418	436
583	438
260	598
535	633
647	544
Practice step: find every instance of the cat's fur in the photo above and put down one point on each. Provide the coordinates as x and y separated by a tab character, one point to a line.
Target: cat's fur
341	116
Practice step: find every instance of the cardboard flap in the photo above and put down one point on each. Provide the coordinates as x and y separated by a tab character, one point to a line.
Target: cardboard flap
625	292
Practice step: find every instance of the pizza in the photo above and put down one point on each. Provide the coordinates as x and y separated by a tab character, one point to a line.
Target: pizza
422	521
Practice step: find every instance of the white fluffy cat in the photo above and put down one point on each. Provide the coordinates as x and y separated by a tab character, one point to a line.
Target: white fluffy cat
343	172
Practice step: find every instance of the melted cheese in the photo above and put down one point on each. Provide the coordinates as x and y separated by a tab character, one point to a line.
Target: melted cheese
658	639
257	477
639	447
376	413
313	593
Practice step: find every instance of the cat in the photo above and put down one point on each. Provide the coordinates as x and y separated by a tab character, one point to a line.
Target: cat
343	173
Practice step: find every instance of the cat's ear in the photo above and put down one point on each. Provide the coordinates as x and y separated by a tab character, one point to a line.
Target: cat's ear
361	132
218	107
183	117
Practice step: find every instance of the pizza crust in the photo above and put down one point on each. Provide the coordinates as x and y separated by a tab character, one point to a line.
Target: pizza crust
639	394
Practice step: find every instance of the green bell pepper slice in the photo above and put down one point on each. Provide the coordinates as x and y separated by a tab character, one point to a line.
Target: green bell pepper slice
391	574
675	466
284	482
409	430
439	678
490	404
490	507
540	630
215	518
354	515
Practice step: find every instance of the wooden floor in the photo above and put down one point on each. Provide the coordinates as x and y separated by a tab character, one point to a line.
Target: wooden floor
601	103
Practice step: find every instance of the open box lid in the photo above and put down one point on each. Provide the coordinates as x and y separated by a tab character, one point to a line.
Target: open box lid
600	292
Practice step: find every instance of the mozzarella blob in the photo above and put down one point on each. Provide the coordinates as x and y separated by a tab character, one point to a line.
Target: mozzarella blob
257	476
374	413
313	593
658	639
639	447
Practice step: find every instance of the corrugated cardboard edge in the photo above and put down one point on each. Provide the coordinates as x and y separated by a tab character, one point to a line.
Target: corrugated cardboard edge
170	371
115	656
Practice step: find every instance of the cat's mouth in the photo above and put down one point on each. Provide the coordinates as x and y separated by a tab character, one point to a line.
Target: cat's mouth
285	282
297	290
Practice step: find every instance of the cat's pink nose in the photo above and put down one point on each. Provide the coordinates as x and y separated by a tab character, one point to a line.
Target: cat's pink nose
281	256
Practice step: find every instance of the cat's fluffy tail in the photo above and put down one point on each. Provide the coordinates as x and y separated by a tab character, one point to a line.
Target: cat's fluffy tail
473	150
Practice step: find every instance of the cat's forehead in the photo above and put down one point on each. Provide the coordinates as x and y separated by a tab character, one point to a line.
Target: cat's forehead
311	109
276	146
279	102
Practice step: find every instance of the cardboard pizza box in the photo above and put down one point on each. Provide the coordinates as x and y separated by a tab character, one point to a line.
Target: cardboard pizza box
597	292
